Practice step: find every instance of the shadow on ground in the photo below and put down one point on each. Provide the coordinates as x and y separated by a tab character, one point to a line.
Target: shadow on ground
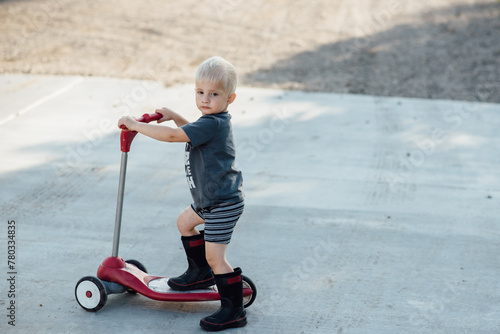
370	62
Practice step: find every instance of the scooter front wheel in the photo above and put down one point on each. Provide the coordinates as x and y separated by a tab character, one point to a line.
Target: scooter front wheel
90	293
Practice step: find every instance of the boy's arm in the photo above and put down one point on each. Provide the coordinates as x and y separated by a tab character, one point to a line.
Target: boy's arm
158	132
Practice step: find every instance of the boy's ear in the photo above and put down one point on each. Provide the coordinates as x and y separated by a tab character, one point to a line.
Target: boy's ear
231	98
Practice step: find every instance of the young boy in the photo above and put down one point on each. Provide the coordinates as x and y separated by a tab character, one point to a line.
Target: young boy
216	189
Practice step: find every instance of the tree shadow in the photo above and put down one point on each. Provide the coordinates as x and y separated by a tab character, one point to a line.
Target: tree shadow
455	55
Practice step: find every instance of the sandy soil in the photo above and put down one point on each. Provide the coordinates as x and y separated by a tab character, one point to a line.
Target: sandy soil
438	49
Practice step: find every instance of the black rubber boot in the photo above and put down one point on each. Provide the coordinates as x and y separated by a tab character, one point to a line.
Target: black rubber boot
231	313
199	275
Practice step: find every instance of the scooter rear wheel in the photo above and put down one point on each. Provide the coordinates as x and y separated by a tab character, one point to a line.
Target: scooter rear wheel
247	283
90	293
139	266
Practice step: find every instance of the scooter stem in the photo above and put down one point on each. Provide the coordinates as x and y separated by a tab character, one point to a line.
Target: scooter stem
119	204
126	138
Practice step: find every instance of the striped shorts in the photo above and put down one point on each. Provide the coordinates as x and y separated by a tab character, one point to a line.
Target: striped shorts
220	220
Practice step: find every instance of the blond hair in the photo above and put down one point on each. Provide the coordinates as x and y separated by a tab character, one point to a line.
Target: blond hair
217	69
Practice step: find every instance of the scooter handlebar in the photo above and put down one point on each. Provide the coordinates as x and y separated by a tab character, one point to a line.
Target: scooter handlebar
146	118
127	136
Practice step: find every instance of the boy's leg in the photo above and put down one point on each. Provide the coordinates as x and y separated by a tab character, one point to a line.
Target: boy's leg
216	257
199	274
231	312
230	286
187	221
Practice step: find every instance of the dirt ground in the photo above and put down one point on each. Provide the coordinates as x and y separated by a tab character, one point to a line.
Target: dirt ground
437	49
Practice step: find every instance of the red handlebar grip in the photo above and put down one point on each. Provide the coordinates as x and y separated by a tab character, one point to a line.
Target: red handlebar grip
146	118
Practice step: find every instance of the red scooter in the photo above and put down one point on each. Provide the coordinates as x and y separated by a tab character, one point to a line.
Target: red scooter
118	276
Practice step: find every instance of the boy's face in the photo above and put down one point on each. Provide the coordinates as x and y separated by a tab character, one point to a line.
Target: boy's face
211	97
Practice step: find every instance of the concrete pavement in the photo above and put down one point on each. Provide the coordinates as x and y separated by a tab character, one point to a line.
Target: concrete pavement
363	214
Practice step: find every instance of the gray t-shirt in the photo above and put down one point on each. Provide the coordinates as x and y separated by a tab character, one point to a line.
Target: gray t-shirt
209	161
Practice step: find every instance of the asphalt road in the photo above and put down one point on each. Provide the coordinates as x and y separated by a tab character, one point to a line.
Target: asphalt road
364	214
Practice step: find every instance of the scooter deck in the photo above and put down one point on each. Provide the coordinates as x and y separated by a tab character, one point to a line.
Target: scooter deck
160	285
116	270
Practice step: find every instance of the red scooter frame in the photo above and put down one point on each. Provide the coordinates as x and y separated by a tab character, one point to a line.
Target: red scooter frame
117	276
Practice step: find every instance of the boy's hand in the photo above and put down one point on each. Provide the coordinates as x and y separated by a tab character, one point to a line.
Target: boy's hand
127	121
166	113
170	115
